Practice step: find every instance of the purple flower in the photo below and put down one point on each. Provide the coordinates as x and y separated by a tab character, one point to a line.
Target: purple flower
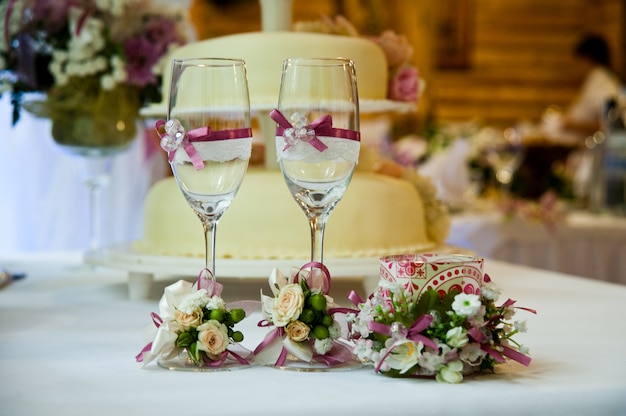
404	85
141	55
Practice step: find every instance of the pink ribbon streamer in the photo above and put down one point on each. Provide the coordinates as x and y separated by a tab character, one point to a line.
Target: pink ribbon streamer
508	352
322	126
7	18
207	281
201	134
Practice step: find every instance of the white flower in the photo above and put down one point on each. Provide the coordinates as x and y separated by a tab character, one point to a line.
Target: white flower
520	326
450	373
363	349
106	82
523	349
322	346
490	291
404	355
508	313
456	337
215	302
430	360
195	300
395	288
472	353
334	331
466	304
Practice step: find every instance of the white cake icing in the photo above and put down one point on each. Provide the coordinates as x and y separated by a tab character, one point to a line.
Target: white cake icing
379	215
264	53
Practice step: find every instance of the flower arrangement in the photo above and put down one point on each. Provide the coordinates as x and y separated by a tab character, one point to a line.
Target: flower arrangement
548	209
89	57
303	316
404	80
196	320
442	334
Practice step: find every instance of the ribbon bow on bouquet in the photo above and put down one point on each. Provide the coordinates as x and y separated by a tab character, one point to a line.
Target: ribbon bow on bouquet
195	319
302	315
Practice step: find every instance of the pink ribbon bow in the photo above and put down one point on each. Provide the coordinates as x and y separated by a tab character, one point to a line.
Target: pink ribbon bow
202	134
322	126
398	332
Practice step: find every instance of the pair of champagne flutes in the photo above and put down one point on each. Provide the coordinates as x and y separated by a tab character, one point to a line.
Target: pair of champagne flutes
208	138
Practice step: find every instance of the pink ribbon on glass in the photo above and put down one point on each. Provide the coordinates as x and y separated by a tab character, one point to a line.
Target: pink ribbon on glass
322	126
173	136
317	278
399	332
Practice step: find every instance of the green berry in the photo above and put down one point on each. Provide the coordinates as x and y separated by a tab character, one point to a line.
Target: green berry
237	315
237	336
320	332
307	316
217	314
327	320
318	302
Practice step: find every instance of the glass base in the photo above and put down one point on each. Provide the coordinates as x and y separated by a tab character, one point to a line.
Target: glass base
318	367
182	363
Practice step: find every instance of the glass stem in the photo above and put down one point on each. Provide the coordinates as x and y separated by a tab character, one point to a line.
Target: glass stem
95	225
210	227
97	171
317	222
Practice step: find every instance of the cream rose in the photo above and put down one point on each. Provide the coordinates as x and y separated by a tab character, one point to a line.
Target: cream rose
188	320
212	337
297	331
288	304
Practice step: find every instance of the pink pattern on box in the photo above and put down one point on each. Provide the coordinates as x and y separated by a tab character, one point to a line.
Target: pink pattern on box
420	272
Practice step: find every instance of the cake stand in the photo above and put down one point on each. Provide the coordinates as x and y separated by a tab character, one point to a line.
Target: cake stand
143	269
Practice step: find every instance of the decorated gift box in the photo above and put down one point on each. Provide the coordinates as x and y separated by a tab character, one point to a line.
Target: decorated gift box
435	315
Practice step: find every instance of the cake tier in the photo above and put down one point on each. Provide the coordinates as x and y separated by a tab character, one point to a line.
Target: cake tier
379	215
264	53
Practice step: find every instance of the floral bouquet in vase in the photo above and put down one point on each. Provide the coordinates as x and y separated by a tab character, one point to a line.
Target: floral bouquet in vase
429	318
306	333
195	328
96	62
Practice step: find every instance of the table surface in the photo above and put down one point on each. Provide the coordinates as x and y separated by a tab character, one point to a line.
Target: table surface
69	334
581	244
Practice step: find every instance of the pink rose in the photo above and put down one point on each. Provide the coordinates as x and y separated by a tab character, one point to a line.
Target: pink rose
404	84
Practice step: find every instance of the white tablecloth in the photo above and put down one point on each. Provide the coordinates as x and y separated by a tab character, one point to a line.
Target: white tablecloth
68	337
583	244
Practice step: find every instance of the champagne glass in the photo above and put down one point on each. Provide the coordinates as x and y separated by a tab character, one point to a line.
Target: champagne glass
317	137
317	146
208	138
